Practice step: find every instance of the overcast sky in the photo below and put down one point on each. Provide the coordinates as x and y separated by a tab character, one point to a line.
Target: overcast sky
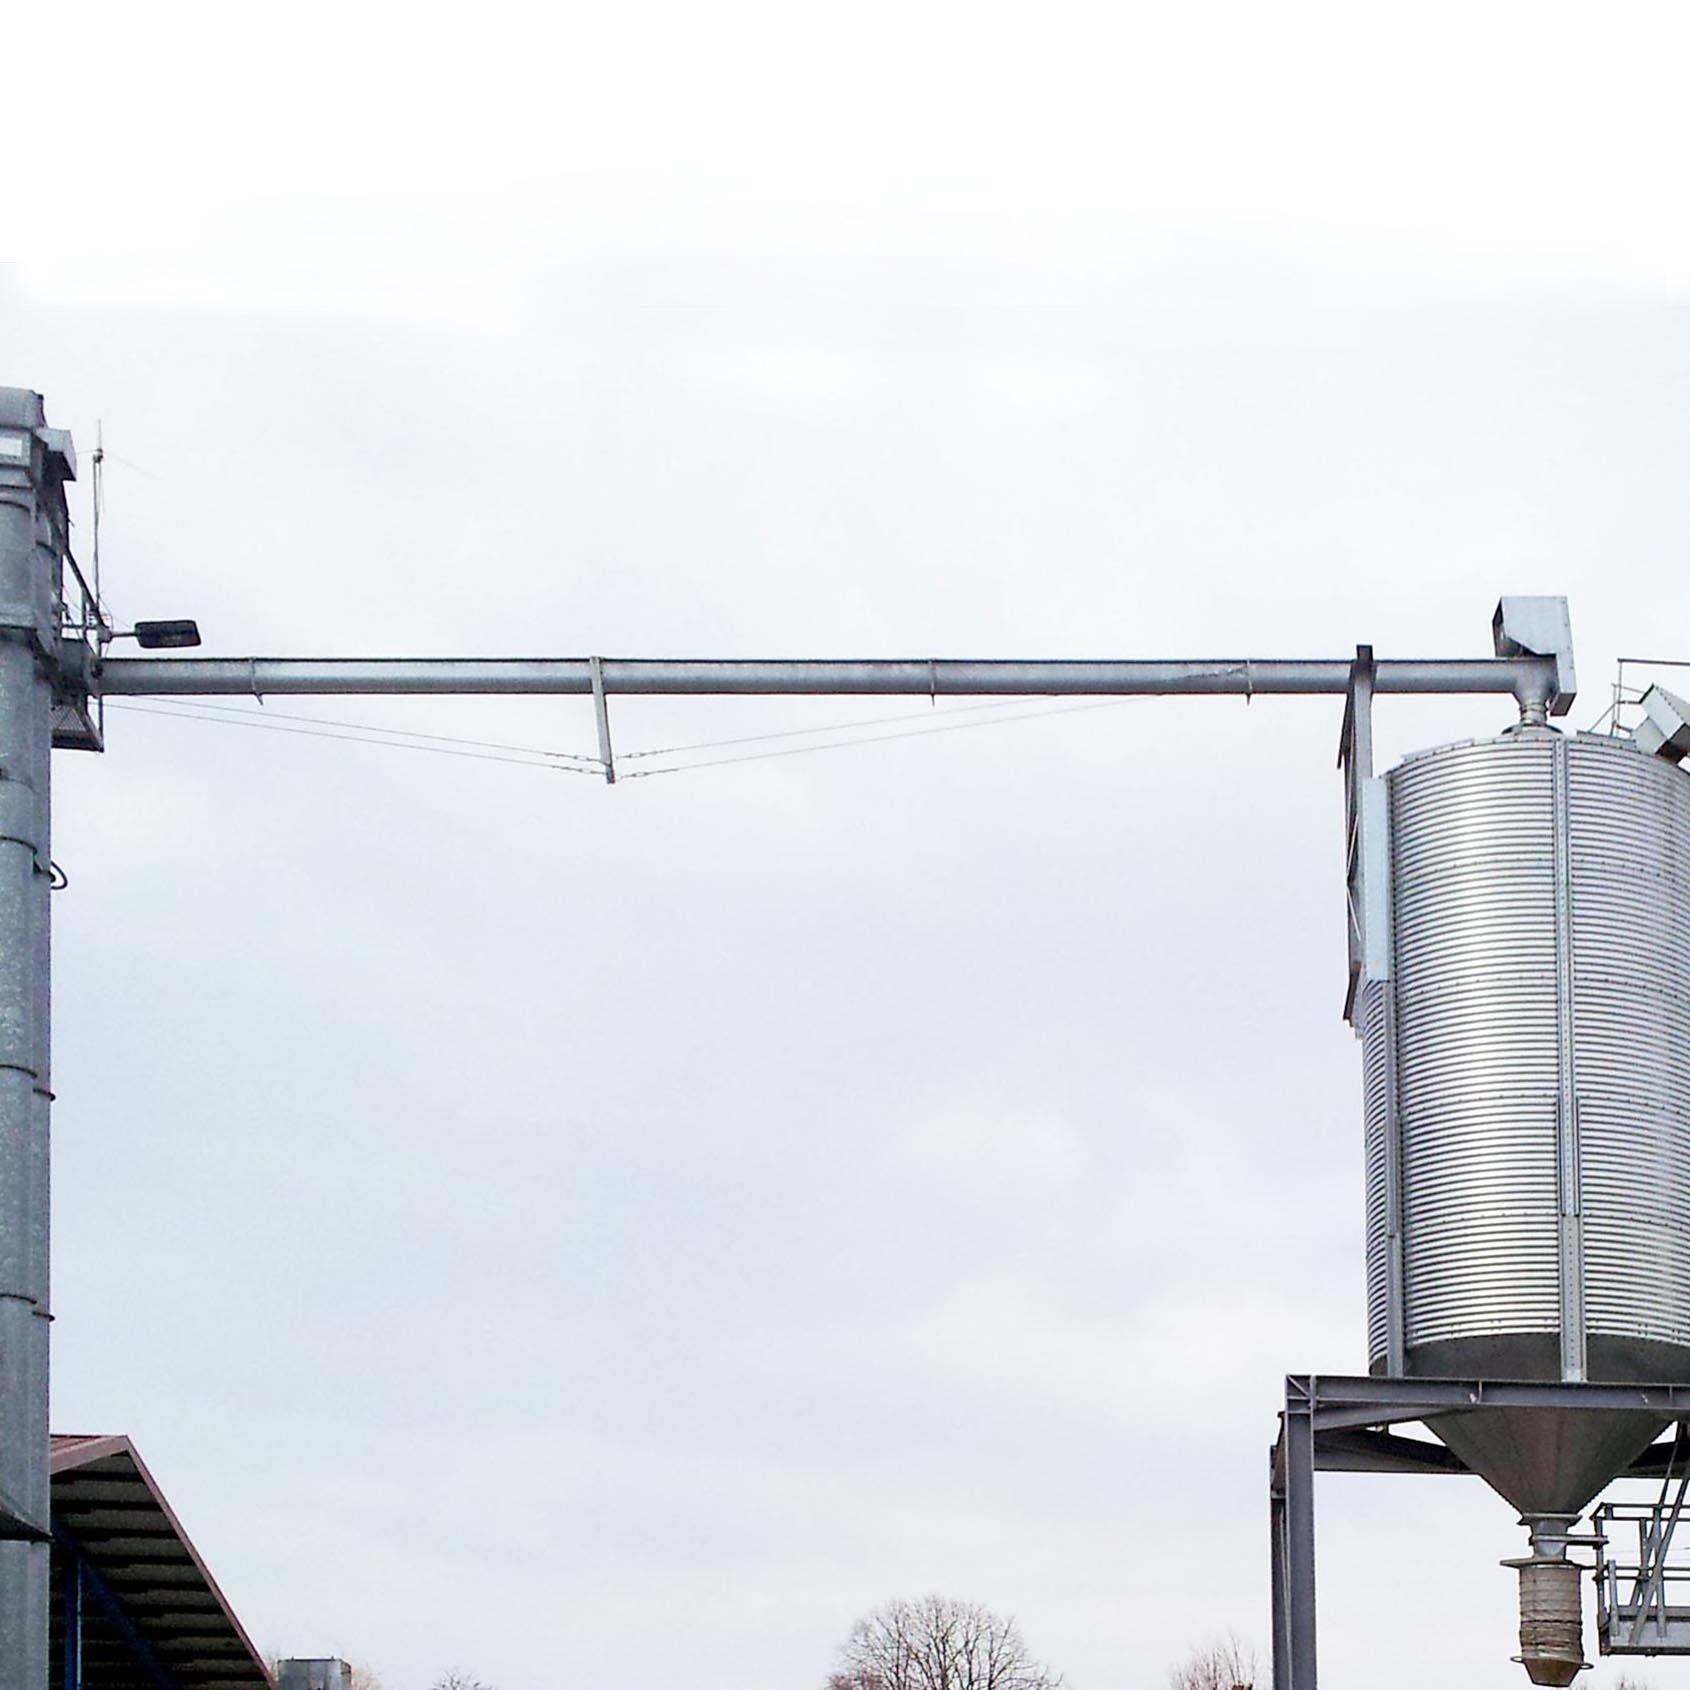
604	1236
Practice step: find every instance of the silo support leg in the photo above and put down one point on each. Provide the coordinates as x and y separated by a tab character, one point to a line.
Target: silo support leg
1292	1510
1276	1550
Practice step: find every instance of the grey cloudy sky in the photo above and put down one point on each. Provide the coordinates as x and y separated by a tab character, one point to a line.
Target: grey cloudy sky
618	1236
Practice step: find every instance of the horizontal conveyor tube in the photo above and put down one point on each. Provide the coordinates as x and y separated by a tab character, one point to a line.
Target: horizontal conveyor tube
159	677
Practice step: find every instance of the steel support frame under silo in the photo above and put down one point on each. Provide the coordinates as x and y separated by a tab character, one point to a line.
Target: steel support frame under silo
1340	1423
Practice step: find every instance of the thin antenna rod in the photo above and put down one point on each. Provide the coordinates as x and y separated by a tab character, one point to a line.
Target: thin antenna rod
99	499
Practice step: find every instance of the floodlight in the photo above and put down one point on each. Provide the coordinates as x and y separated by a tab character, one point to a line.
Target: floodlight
166	636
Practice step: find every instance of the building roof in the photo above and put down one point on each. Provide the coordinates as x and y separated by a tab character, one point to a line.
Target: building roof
152	1615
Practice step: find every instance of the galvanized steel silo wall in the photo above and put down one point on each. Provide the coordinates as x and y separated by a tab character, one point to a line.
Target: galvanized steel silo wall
1527	1067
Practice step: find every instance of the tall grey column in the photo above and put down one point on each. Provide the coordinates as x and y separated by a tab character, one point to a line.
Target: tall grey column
1297	1440
1281	1675
32	542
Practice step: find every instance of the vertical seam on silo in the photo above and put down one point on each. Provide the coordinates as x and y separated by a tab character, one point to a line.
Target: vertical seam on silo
1571	1239
1396	1278
1396	1332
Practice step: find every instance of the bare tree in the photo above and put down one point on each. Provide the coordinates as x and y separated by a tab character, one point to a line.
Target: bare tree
1226	1663
458	1680
938	1644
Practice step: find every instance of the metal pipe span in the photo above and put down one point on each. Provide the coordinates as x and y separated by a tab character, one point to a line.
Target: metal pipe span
1528	678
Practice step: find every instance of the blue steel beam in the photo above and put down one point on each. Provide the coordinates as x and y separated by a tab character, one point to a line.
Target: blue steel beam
73	1623
94	1585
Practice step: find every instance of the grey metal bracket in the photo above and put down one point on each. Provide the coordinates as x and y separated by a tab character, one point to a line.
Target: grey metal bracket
1366	840
78	720
601	712
1355	759
17	1527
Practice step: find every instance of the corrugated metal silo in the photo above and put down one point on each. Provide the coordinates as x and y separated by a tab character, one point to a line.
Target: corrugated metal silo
1527	1081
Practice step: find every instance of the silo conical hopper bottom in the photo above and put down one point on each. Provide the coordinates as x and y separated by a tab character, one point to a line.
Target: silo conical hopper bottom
1548	1460
1549	1463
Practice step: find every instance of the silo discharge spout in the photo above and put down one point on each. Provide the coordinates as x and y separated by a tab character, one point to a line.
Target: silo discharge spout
1551	1604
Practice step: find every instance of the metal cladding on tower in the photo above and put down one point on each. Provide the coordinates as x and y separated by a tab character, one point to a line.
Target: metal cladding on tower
35	463
1527	1080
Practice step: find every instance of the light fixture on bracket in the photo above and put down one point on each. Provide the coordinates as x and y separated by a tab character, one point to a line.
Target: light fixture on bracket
162	636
